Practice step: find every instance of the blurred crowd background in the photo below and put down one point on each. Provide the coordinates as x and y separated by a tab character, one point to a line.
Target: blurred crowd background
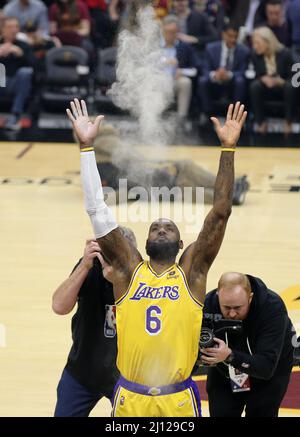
216	51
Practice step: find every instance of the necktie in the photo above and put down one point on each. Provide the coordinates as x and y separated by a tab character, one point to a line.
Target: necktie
229	60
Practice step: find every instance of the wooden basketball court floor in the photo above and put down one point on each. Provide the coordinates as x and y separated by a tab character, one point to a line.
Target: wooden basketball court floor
43	230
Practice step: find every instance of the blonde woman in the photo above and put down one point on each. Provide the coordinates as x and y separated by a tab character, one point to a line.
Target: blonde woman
273	67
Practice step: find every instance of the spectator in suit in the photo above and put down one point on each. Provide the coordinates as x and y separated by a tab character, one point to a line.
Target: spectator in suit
29	13
16	56
178	56
195	27
273	67
276	21
293	18
224	70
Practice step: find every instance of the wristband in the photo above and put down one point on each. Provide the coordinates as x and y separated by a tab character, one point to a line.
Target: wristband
227	150
87	149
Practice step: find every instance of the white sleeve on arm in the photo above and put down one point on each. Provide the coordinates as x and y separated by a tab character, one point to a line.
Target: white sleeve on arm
102	219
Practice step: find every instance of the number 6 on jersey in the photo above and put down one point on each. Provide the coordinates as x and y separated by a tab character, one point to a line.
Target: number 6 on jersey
153	323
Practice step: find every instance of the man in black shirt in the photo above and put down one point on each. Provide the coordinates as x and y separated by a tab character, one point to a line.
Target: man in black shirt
90	372
250	369
16	57
195	27
276	21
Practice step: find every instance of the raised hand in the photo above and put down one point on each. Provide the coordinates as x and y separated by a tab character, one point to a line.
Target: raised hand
85	129
229	134
91	251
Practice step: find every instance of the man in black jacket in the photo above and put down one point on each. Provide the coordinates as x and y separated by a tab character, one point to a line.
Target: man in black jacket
195	27
250	369
90	372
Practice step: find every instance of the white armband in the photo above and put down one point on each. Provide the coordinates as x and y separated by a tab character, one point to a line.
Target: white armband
101	216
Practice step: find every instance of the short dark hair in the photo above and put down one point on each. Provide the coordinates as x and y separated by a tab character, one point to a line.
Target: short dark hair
231	26
274	2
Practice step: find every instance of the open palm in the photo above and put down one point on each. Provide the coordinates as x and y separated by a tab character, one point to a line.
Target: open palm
85	129
229	134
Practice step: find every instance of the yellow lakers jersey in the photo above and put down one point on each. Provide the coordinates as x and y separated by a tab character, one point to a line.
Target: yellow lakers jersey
158	327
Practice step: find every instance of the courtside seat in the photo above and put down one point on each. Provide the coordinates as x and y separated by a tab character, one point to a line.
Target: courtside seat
67	77
105	77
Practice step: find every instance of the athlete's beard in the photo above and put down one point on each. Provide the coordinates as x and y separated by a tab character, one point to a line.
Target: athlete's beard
162	251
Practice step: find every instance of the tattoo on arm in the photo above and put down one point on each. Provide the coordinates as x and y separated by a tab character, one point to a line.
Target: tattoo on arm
207	246
224	184
119	253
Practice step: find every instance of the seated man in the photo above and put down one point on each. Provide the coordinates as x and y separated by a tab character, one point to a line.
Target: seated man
224	70
214	9
29	13
195	27
178	57
276	20
17	59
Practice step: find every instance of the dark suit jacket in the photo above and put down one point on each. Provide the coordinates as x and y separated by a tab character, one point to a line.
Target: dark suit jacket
213	58
282	33
198	25
284	62
185	55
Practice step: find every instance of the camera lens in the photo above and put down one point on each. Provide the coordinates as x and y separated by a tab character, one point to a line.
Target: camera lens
206	338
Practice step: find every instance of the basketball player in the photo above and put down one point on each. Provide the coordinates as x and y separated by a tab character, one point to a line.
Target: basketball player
159	303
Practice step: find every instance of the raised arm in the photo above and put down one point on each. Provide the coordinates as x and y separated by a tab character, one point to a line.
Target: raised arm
66	295
115	247
199	256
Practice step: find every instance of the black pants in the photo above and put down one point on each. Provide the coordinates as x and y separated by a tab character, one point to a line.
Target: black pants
74	400
260	94
263	400
208	91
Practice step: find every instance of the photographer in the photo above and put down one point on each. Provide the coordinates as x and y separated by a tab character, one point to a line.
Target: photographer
251	367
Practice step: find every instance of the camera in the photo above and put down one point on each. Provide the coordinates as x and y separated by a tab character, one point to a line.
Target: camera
213	324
